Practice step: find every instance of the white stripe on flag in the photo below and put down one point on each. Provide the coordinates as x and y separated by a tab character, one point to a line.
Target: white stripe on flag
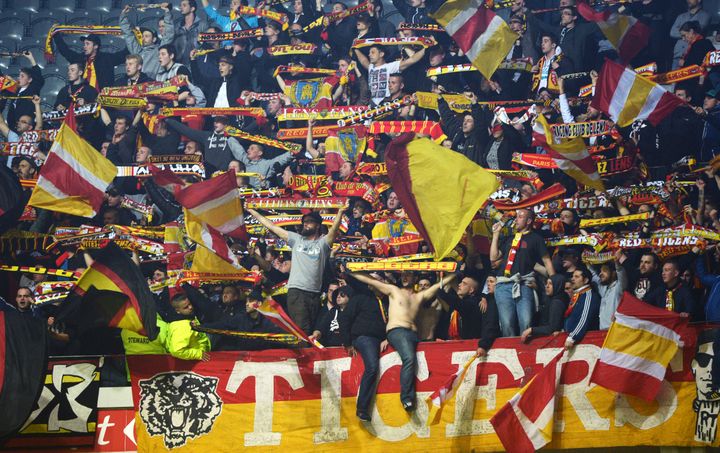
84	173
462	17
632	363
225	198
231	225
654	97
50	188
532	429
620	96
642	324
482	41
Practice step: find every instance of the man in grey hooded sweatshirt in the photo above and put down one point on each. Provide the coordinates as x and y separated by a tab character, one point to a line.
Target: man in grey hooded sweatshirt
148	49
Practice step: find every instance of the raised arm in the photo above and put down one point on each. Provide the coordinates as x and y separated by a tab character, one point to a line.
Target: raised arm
548	265
169	35
494	245
332	233
417	56
276	230
362	59
128	36
384	288
4	128
38	113
309	140
430	293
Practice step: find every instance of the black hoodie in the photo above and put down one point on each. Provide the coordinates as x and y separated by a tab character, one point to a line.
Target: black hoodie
555	308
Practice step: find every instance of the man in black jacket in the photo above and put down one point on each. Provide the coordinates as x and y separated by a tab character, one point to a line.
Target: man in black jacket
217	155
99	66
77	89
576	39
30	82
674	295
478	313
414	11
644	281
224	90
468	137
363	322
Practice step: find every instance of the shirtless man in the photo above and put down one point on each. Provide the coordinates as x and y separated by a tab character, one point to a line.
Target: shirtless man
401	329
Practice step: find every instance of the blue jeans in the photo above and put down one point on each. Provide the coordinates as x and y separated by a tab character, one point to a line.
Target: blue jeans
515	313
369	349
405	343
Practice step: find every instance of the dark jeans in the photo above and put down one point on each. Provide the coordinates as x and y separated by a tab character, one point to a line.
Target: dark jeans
715	368
405	343
369	349
303	307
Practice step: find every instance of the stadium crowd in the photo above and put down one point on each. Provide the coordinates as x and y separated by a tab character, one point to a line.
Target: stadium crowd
256	90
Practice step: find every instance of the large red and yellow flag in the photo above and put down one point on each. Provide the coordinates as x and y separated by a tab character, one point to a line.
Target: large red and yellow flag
626	34
439	209
217	203
570	154
627	97
212	253
484	37
74	177
638	348
112	292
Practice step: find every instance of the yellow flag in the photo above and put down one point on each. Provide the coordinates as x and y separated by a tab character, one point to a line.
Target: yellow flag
439	209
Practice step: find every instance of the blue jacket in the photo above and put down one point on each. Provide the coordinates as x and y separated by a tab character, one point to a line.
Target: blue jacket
584	316
227	24
712	307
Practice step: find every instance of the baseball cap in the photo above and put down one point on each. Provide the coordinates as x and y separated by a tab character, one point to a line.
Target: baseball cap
227	59
92	38
313	216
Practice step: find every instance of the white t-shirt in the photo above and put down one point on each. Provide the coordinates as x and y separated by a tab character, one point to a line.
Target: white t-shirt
222	100
378	79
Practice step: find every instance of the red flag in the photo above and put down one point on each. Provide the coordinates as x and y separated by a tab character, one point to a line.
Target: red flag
638	348
525	423
70	117
275	313
166	179
627	97
627	34
217	203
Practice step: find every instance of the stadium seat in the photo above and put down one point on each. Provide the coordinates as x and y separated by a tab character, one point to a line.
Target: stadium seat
149	21
110	19
53	84
94	17
116	42
51	69
82	19
119	72
13	30
40	26
12	69
65	6
37	50
103	6
22	5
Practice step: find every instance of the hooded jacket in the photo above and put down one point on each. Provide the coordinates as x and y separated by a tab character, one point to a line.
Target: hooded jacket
555	308
149	54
